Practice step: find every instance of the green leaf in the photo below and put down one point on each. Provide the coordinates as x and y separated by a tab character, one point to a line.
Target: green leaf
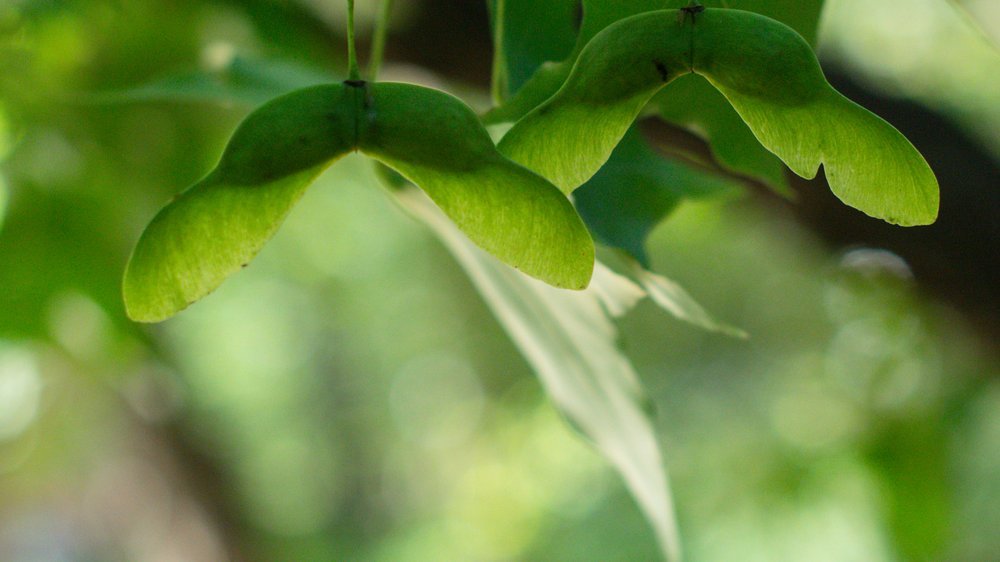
569	137
801	15
570	341
548	78
869	165
433	139
216	227
767	72
542	85
635	190
687	102
438	143
692	103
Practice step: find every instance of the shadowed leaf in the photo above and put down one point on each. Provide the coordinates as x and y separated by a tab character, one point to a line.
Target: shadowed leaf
635	190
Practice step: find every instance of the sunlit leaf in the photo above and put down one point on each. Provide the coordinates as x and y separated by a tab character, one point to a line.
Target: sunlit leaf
768	73
433	139
870	165
569	137
569	339
540	87
437	142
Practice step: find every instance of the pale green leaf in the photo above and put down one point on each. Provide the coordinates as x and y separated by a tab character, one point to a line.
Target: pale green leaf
670	296
570	342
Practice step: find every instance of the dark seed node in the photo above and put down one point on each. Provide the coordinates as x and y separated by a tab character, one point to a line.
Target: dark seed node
696	9
662	69
355	83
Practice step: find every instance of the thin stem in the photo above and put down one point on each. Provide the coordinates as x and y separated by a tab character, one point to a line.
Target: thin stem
498	82
378	40
354	73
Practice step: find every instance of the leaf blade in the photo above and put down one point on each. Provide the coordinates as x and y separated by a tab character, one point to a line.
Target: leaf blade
569	137
767	72
570	342
438	143
217	226
869	164
635	190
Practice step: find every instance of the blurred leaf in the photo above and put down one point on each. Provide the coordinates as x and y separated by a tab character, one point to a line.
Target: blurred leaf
433	139
969	15
635	190
527	34
240	81
53	242
670	296
767	72
3	200
569	340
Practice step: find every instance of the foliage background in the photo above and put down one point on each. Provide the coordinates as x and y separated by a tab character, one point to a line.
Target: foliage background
349	397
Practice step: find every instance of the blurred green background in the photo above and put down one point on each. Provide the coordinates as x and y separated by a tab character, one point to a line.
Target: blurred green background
349	397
